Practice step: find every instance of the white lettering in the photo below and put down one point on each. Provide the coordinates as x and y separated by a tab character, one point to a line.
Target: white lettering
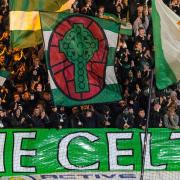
114	153
2	144
63	151
18	138
148	163
175	136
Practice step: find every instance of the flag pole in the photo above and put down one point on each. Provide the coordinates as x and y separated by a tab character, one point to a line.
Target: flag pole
147	125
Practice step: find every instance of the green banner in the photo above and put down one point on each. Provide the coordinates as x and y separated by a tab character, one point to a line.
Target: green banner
25	152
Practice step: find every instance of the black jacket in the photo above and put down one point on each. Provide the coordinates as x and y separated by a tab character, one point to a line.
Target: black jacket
139	122
122	119
76	121
59	120
155	119
40	123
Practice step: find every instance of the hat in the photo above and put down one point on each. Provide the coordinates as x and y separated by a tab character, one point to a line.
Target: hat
140	109
156	101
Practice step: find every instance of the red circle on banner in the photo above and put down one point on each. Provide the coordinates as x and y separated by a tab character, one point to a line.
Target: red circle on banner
63	70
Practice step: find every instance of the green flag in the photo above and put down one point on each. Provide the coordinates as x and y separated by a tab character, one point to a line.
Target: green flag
166	31
126	27
80	57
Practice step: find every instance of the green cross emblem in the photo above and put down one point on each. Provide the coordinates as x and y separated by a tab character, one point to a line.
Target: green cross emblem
79	46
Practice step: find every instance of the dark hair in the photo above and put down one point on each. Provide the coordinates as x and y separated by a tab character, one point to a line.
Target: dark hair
141	109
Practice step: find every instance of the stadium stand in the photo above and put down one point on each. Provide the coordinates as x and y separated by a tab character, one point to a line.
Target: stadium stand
25	96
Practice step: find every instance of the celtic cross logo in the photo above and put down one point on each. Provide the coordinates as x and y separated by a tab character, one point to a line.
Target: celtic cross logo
78	54
79	46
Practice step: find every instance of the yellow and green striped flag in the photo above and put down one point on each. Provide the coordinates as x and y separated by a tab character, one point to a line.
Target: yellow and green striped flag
25	23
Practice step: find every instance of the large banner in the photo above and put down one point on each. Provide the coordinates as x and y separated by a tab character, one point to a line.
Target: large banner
80	52
35	151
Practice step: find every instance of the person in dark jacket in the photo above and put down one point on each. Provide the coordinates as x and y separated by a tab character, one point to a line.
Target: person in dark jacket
75	119
16	101
126	119
107	117
28	102
40	119
18	119
91	118
140	121
155	120
142	38
3	119
59	118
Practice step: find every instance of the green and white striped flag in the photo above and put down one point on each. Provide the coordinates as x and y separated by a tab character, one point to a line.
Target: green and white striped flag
166	31
25	23
126	27
80	54
3	76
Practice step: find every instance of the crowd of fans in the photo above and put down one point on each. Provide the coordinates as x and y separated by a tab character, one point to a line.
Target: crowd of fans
26	100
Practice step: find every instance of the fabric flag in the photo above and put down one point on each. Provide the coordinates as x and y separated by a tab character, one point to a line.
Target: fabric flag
80	56
126	27
25	23
3	76
166	31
